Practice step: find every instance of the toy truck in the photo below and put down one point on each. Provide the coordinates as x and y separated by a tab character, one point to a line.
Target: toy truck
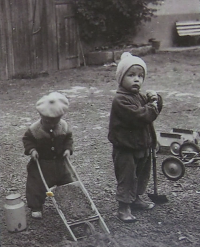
175	138
171	140
188	135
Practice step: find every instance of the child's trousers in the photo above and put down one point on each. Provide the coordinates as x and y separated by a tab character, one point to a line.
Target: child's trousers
54	172
132	171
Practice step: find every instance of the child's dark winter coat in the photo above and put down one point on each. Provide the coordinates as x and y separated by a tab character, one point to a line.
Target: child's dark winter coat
131	121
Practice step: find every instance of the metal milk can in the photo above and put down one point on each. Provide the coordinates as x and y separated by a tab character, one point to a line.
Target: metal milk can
15	214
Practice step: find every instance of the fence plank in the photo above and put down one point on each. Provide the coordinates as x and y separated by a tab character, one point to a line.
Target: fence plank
9	38
3	47
36	36
51	45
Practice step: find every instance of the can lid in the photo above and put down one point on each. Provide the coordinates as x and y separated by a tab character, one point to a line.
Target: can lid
13	196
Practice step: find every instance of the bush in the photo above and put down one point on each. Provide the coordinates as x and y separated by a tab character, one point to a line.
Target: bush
113	20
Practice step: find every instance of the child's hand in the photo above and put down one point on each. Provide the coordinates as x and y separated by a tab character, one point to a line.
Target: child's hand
152	95
34	155
66	153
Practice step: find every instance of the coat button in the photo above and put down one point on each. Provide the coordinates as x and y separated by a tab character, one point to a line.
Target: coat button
51	130
52	148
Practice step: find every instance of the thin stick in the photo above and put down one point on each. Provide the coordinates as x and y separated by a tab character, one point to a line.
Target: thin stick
81	48
42	177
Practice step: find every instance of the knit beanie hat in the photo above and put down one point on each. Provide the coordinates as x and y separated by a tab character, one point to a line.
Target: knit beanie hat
52	105
127	61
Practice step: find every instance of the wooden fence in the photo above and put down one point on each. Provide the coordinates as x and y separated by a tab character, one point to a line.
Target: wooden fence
37	36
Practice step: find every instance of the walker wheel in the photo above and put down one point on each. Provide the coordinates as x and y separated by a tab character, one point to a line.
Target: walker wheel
89	228
174	148
188	150
173	168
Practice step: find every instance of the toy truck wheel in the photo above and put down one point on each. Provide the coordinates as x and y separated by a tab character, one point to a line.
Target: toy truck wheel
188	150
174	148
157	147
173	168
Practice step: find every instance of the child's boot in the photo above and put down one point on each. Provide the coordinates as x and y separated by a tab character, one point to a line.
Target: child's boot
36	214
140	204
124	213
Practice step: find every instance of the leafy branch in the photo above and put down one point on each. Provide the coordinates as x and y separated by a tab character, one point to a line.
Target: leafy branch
112	20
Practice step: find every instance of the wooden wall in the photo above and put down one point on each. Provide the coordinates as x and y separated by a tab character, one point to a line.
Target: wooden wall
29	37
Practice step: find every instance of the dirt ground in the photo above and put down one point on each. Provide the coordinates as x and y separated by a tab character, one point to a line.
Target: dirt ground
176	76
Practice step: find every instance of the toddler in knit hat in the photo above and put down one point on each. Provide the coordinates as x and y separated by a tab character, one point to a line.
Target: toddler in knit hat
132	135
49	140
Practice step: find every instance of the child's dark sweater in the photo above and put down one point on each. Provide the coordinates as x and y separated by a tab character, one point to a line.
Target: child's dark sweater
49	144
131	120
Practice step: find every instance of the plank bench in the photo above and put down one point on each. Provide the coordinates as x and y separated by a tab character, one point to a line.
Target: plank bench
188	28
188	33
